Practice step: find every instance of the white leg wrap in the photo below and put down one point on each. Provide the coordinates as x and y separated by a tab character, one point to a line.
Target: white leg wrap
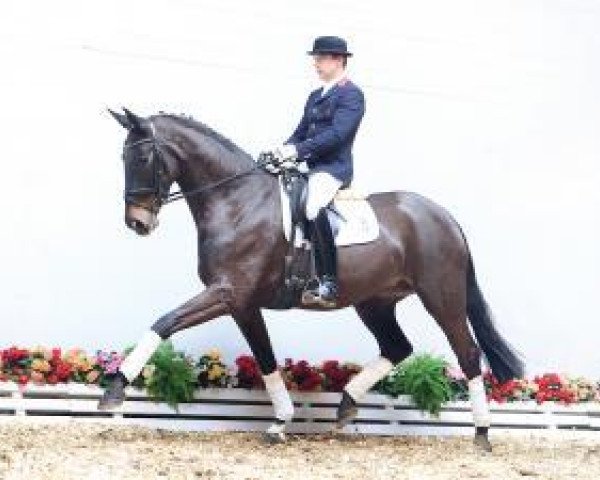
479	404
135	361
282	403
370	374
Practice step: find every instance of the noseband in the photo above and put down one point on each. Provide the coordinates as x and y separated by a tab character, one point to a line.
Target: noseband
161	195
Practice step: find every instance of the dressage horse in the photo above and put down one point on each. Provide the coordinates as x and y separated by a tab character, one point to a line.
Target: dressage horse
236	207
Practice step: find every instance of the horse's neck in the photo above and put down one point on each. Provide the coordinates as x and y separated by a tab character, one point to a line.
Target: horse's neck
205	162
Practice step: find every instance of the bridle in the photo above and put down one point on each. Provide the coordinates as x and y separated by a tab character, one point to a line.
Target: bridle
160	188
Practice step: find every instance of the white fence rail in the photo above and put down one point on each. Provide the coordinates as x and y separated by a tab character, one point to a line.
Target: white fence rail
230	409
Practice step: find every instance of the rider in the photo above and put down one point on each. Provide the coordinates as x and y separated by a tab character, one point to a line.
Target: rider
324	138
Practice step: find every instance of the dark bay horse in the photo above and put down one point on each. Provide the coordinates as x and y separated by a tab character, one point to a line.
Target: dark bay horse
241	248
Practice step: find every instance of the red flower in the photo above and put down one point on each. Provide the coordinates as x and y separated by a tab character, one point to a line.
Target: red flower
13	355
552	388
336	376
63	371
302	375
248	373
502	392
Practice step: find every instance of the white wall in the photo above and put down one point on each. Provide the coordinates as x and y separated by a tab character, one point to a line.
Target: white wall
490	108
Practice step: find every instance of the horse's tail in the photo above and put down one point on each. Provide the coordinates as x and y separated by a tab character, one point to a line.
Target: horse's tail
503	360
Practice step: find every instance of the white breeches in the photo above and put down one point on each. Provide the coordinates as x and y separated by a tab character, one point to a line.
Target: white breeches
322	187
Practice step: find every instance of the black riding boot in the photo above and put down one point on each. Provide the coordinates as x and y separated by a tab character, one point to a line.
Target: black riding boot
325	294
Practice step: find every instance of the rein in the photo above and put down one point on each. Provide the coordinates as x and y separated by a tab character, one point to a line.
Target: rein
170	197
174	196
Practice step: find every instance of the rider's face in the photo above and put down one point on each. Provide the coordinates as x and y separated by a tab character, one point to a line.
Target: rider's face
328	66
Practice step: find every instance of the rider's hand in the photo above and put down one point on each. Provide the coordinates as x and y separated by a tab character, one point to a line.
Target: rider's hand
302	167
286	153
269	167
282	157
269	160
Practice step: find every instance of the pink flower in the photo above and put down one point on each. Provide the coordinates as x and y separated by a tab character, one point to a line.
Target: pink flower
454	373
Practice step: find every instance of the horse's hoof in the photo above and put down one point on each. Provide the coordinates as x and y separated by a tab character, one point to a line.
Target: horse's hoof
109	403
482	442
114	394
274	438
276	432
346	411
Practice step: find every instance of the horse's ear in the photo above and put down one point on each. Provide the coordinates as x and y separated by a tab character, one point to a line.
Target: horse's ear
122	119
137	123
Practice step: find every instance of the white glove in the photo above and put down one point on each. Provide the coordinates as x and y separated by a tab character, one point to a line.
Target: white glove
302	167
286	153
272	168
285	158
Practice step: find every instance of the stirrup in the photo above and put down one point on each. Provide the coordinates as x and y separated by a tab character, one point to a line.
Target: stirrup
316	296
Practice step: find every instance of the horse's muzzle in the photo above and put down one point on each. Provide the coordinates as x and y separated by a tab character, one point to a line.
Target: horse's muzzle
141	220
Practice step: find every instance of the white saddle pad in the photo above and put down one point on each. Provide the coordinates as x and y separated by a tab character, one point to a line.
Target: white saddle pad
356	222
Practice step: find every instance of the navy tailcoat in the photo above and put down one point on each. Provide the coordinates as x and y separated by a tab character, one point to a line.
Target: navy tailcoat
326	132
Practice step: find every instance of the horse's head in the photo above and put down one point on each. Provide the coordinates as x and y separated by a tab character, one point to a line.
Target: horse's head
147	178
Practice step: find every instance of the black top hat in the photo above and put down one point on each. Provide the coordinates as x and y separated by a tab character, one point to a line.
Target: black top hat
335	45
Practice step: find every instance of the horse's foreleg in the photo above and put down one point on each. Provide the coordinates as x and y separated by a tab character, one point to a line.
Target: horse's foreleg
211	303
252	325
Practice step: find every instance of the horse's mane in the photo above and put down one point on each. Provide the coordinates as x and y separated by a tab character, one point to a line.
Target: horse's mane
191	122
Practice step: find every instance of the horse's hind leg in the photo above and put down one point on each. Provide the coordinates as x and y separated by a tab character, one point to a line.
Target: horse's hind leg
447	305
379	317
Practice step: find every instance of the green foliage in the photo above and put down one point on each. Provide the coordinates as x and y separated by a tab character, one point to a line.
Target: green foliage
168	376
393	383
459	389
426	382
423	378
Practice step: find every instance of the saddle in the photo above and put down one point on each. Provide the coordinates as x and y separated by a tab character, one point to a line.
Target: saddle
352	221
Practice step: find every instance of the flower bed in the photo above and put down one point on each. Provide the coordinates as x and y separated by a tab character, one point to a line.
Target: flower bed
173	376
